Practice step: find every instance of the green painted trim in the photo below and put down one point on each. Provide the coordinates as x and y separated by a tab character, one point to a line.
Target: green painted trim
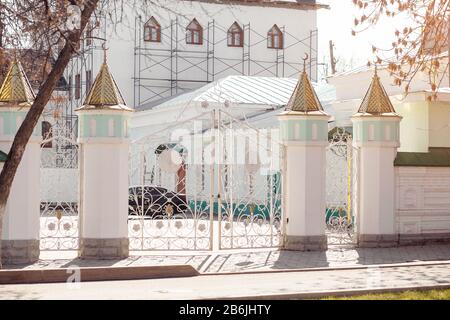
302	129
362	130
9	121
436	157
102	125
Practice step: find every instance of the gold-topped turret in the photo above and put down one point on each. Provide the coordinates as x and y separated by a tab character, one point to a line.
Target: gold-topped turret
304	99
104	93
16	89
376	101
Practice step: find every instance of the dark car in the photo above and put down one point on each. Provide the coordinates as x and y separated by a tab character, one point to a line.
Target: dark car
155	202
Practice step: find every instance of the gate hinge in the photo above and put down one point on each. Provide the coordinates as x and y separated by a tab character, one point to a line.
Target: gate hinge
218	196
287	220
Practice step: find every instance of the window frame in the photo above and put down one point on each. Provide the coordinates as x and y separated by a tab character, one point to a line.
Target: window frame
275	32
192	31
152	25
231	35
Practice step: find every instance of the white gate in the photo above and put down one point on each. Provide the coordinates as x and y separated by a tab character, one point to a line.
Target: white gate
59	189
169	193
342	188
188	191
249	182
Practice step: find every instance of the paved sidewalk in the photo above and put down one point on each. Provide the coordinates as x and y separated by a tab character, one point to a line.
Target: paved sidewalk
260	260
292	285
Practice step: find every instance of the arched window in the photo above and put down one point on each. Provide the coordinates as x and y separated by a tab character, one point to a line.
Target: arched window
152	31
275	38
235	36
46	134
194	33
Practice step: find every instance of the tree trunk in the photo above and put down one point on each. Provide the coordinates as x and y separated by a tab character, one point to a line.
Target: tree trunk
26	129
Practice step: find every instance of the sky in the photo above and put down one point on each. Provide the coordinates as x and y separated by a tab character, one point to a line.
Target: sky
336	24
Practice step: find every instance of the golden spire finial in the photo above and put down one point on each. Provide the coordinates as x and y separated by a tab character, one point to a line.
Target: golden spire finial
16	88
104	92
376	101
304	99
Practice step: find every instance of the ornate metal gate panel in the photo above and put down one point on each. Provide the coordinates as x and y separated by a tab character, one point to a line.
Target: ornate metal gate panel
59	189
170	206
195	187
249	182
342	188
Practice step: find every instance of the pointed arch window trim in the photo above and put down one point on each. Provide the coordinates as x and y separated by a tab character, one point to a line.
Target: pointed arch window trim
275	38
152	30
194	33
235	35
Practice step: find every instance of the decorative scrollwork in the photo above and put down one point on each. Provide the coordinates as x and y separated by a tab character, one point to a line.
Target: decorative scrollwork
168	209
250	211
341	184
59	190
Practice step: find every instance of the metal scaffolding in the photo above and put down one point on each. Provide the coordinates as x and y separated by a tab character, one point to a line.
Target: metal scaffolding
181	69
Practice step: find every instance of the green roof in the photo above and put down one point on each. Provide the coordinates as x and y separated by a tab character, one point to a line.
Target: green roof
3	156
436	157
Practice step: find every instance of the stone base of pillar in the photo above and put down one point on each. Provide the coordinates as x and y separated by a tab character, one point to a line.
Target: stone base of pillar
306	243
377	240
104	249
20	251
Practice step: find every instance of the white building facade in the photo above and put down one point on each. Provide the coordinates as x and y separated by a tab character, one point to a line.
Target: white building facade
169	47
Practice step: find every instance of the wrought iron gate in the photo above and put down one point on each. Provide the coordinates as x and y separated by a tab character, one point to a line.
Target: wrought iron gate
188	191
342	188
249	181
170	206
59	189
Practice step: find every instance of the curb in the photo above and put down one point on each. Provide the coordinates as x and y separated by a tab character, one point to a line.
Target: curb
338	293
27	276
354	267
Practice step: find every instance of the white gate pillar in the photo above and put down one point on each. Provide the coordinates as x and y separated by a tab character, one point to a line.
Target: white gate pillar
103	136
377	135
20	236
304	132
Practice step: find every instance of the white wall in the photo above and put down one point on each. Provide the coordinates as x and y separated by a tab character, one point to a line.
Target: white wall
21	221
415	126
104	189
439	124
422	200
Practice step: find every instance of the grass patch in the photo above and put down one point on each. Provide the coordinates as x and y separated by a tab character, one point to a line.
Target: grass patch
406	295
